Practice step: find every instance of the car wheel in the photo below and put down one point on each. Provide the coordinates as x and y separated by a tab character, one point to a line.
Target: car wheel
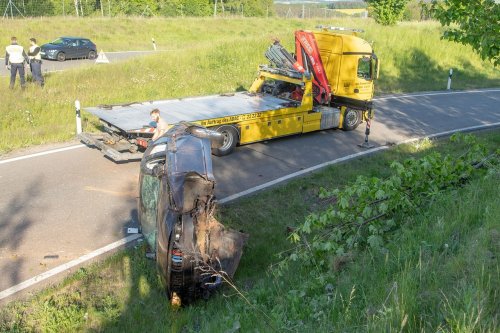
61	56
352	118
92	55
230	141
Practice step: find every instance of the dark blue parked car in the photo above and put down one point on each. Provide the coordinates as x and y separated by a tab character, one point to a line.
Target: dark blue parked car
69	48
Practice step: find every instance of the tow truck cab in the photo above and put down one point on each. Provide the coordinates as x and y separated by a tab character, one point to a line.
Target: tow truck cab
350	65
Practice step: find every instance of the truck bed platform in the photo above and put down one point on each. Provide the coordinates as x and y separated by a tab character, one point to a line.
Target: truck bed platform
135	116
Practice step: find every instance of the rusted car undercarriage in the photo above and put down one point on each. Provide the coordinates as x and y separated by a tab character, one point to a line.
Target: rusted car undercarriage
194	252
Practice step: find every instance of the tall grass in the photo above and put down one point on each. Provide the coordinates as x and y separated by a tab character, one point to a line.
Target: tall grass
206	56
439	273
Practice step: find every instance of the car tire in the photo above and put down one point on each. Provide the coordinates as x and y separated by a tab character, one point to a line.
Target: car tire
61	56
92	55
231	139
352	118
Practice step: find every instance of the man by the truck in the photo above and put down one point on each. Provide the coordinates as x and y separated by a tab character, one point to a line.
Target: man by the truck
161	125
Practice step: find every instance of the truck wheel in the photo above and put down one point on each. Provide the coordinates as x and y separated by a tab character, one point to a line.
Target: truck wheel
352	118
230	141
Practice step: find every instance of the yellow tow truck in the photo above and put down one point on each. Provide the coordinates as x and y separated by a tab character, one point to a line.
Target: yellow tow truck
327	83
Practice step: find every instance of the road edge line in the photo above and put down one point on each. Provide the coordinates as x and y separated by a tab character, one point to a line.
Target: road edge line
346	158
437	93
56	270
48	152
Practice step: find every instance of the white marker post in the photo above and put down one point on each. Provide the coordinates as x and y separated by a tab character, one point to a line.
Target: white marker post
154	43
449	79
78	117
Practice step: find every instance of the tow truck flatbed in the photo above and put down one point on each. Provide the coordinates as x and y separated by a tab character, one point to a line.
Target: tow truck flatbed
133	117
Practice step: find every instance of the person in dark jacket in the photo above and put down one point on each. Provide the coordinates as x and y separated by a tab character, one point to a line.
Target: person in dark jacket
15	60
35	62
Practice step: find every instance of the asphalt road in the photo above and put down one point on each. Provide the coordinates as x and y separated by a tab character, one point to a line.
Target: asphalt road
56	66
58	207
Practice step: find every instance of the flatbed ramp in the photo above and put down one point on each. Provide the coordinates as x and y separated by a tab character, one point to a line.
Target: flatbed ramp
135	116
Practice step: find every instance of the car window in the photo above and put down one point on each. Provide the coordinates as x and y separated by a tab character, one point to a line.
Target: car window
85	42
58	41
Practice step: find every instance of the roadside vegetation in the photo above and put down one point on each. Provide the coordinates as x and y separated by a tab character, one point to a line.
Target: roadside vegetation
206	56
437	271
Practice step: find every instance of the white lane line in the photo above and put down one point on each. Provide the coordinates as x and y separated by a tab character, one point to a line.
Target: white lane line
346	158
28	283
436	94
146	51
40	154
56	270
297	174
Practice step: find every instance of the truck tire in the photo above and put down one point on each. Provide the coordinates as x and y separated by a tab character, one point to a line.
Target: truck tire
231	139
352	118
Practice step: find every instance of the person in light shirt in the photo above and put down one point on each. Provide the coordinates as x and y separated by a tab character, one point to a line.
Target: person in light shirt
161	125
15	60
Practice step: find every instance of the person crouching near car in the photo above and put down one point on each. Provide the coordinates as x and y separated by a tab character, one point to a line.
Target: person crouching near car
15	58
161	125
36	62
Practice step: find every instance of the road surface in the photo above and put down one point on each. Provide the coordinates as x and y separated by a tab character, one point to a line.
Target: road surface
56	66
57	207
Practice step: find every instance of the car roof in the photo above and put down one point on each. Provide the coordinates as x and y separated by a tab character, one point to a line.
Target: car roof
69	37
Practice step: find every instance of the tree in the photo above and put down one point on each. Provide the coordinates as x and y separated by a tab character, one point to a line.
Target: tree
387	12
475	23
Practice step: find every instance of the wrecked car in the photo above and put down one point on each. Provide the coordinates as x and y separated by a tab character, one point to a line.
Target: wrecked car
194	252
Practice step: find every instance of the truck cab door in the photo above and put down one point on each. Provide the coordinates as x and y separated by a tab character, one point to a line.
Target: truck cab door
363	84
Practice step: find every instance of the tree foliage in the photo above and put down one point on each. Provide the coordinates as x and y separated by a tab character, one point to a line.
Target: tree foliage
136	7
368	211
387	12
475	23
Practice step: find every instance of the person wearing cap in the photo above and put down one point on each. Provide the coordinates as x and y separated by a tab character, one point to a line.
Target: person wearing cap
161	125
15	58
35	62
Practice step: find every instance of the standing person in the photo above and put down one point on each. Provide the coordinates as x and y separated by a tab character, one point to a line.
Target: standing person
16	58
35	62
161	125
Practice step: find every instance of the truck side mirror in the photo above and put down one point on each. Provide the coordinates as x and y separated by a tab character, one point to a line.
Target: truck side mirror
375	67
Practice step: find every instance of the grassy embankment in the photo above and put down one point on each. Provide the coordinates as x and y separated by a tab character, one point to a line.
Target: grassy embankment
205	57
440	271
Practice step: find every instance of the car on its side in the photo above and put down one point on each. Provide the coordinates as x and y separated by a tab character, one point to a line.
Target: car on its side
69	48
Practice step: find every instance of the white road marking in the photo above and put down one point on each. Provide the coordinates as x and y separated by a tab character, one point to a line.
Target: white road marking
436	94
28	283
40	154
346	158
297	174
56	270
147	51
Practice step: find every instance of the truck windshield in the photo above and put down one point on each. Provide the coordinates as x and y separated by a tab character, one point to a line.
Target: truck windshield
364	68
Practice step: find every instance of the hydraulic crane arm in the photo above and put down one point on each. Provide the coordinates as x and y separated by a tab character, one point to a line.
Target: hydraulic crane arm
308	56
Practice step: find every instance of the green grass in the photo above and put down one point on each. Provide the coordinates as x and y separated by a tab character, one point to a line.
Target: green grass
206	56
440	271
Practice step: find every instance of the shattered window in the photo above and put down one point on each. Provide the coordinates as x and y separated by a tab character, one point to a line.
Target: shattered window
150	187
